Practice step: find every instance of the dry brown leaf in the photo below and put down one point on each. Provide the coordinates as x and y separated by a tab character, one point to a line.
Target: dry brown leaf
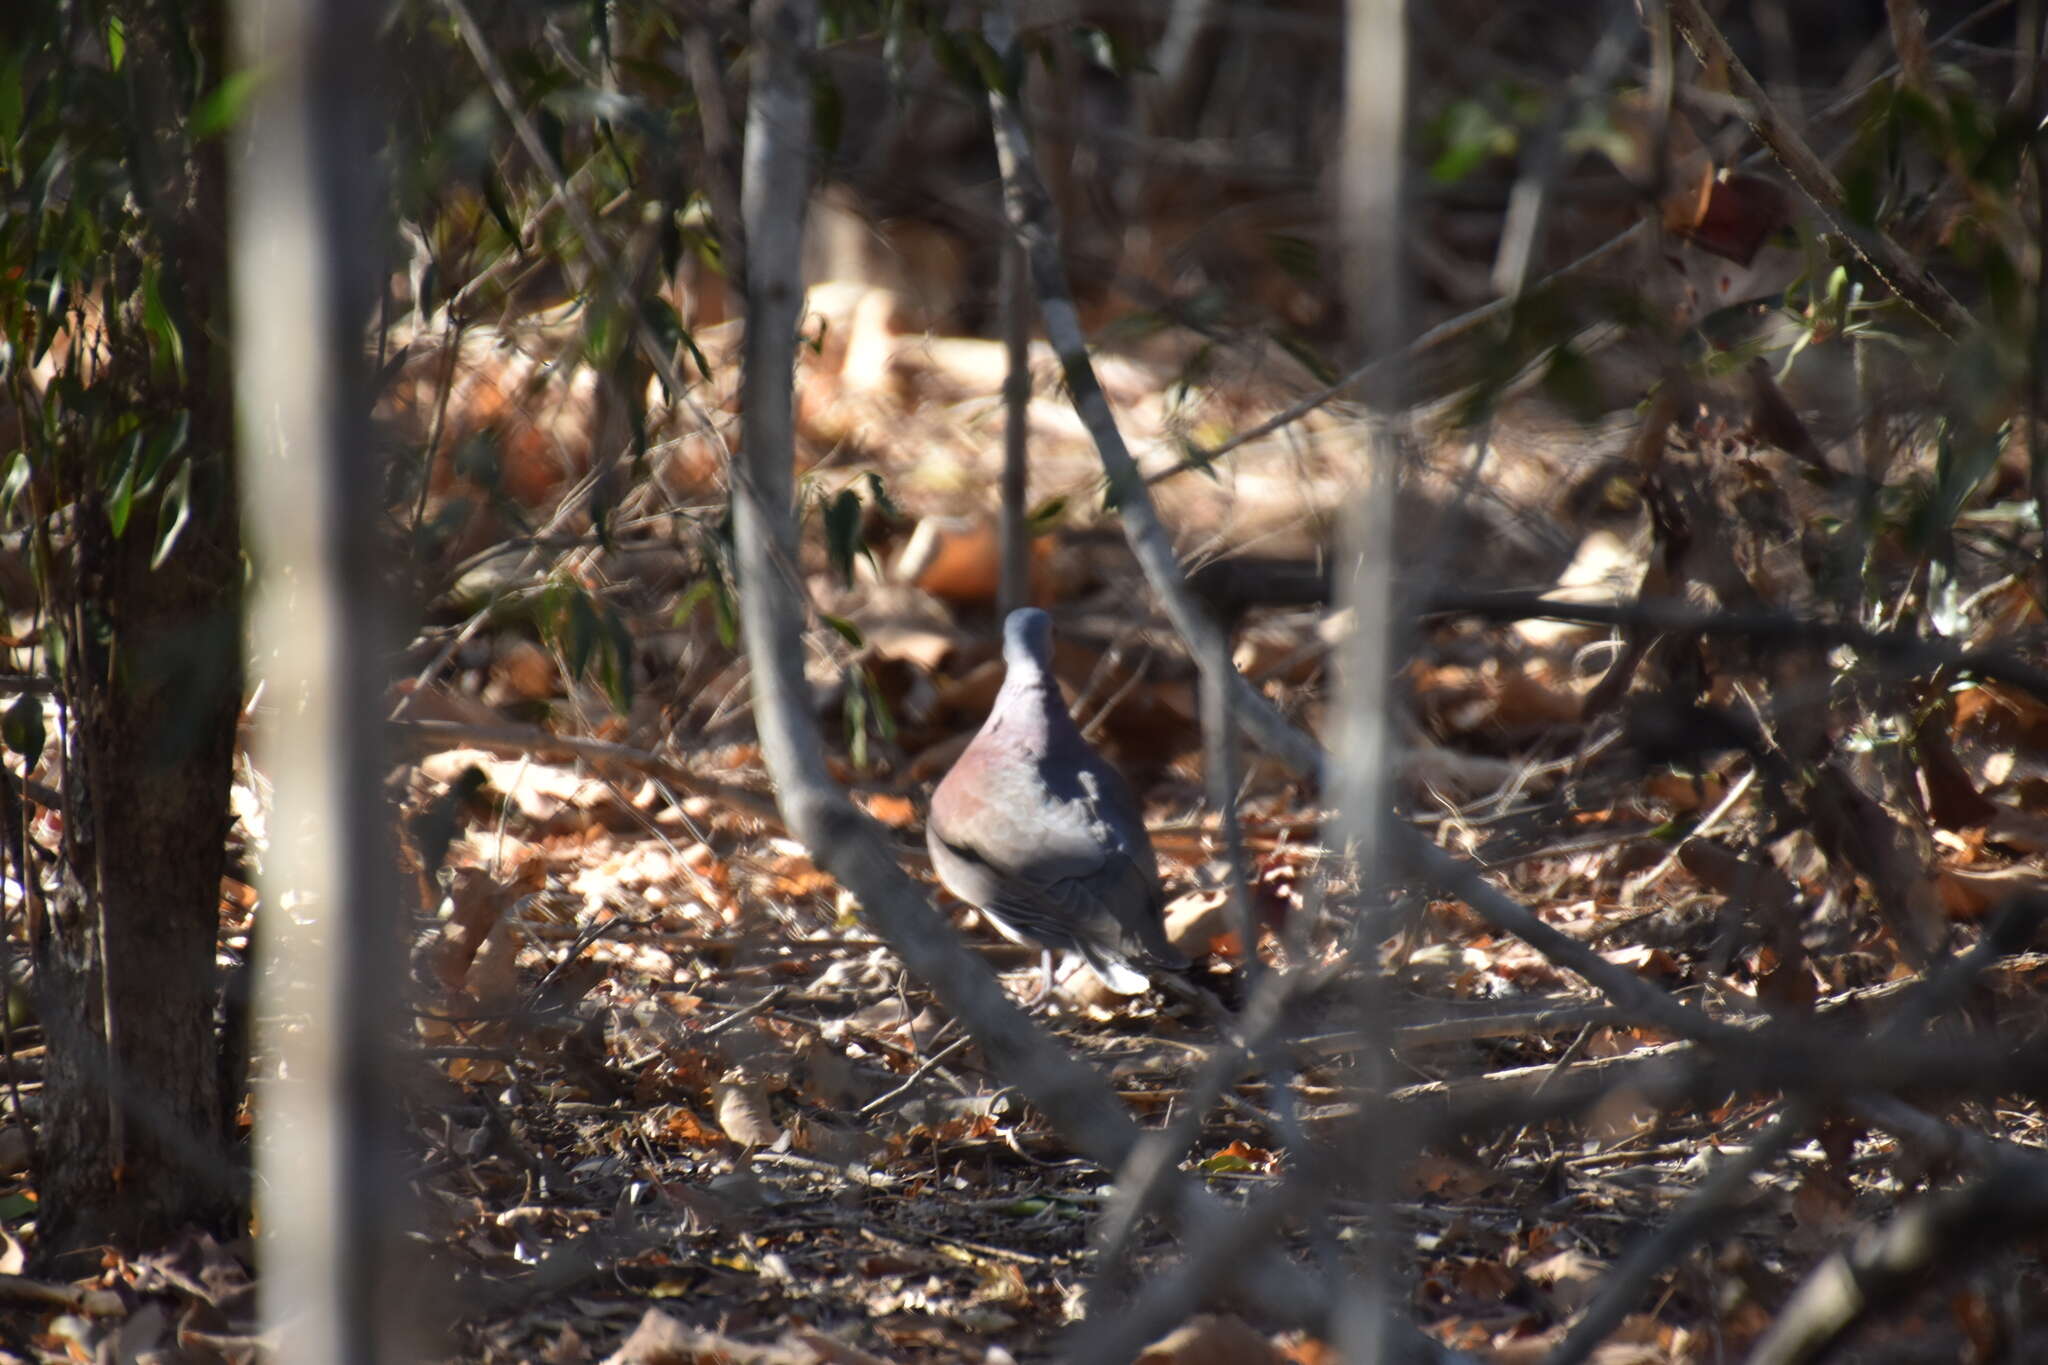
959	559
492	982
1967	892
1997	714
796	877
1275	653
1447	1176
1302	1349
897	812
438	703
1979	1322
1481	1277
522	671
661	1340
475	902
926	646
1682	793
1211	1340
972	694
681	1125
1570	1277
1198	924
2004	610
1823	1208
1644	960
1603	570
831	1349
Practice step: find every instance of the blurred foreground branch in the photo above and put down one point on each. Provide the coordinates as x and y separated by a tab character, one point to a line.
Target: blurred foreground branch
334	1205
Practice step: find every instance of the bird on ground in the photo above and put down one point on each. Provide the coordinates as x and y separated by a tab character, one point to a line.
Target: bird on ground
1035	830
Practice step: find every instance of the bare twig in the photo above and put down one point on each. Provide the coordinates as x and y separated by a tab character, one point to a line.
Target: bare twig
1030	214
1439	338
1521	232
528	739
914	1079
1016	533
1766	628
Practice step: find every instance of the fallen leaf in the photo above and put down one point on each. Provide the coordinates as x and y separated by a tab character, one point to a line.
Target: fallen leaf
1211	1340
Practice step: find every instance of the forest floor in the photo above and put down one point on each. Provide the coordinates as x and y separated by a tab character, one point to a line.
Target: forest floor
673	1101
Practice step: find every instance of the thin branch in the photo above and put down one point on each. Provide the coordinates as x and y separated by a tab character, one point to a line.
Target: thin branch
1760	627
1016	532
529	739
1030	213
1072	1096
1438	338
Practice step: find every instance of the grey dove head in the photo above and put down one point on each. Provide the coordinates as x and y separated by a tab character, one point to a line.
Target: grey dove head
1027	640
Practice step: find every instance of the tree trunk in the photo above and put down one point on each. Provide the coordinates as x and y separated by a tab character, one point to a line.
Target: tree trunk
132	1146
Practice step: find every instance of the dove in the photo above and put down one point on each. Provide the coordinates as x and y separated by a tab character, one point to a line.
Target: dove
1035	830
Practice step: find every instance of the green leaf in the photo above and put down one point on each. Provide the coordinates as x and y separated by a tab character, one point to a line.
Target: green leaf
1046	515
878	706
11	102
142	463
843	543
117	41
617	671
14	481
857	723
1112	51
52	320
579	632
662	319
828	113
173	513
600	337
691	599
121	497
953	55
728	612
1226	1163
550	129
846	629
169	349
883	502
57	649
995	72
1308	356
222	107
22	728
1468	135
494	200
